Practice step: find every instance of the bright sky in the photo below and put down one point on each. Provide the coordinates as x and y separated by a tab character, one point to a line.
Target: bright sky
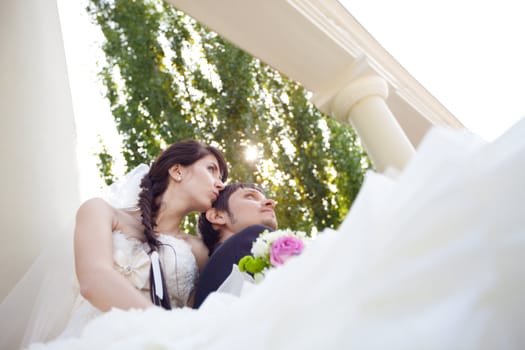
468	54
92	113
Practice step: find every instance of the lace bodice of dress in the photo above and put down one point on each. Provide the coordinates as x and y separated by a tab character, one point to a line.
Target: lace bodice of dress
179	265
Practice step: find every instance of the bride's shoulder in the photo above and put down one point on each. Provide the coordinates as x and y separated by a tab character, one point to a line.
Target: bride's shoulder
97	211
95	216
96	204
96	208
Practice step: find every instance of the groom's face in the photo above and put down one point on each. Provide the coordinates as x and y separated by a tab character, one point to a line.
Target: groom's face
247	207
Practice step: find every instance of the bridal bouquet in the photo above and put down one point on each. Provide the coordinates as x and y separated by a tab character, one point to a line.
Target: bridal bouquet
271	249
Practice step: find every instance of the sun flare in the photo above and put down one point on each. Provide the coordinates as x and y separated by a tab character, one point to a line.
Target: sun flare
251	153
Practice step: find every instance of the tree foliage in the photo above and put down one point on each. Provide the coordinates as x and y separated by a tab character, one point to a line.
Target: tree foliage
168	78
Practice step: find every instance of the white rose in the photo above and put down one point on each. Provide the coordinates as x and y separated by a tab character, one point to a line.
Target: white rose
259	248
270	237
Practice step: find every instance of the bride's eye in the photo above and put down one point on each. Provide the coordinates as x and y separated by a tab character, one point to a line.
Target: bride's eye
214	170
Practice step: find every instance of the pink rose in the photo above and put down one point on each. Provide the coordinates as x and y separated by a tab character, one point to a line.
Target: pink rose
283	248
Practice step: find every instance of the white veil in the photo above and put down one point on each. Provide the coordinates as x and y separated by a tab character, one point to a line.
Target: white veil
38	308
125	192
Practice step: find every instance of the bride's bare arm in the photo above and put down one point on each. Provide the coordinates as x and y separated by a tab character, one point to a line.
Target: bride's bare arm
100	284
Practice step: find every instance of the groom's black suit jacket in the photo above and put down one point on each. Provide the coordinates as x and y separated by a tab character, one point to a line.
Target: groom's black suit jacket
222	259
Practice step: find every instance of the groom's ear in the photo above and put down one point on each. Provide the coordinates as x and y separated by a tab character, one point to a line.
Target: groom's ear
216	217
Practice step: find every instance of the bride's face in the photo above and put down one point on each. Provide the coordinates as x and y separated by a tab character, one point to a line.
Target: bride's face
201	182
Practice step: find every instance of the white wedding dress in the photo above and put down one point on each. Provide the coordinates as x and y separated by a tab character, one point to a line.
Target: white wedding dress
131	259
430	260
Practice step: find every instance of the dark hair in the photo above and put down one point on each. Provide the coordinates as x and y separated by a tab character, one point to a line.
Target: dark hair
156	181
209	235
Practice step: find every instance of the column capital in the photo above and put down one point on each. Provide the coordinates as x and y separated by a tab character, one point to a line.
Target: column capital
358	97
357	90
356	82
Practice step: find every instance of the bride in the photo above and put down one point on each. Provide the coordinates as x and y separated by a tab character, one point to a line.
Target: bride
114	247
430	260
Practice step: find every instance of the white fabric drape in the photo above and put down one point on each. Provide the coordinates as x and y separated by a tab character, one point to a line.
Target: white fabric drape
430	260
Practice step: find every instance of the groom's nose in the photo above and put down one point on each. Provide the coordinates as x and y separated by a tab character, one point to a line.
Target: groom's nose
269	203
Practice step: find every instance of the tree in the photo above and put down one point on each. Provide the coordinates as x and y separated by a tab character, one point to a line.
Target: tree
169	78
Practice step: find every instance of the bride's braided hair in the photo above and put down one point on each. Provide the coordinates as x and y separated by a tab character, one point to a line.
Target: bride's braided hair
156	181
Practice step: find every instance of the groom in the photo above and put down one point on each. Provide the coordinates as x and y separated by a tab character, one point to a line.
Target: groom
239	215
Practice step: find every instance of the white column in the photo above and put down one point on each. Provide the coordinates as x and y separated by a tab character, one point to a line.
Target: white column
38	173
360	101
